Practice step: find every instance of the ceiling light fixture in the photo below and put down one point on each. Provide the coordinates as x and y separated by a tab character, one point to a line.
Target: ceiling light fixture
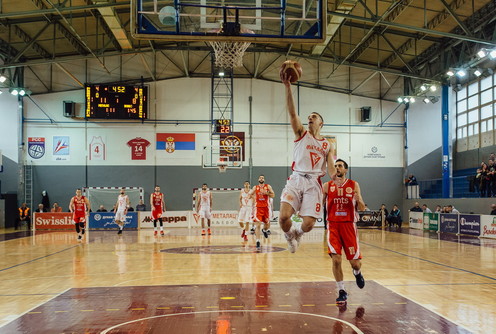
477	73
492	54
482	53
461	73
433	88
426	100
2	78
450	73
423	88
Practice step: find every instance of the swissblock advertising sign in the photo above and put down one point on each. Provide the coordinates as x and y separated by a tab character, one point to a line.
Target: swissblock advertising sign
106	220
53	221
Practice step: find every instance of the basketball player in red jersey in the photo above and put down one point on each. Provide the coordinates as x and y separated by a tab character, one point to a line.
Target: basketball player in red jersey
343	197
263	192
312	155
80	207
158	207
204	207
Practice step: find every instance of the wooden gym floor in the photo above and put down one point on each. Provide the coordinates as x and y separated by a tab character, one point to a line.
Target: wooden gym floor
416	282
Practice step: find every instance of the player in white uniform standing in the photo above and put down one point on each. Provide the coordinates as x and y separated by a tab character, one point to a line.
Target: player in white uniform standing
204	207
312	154
121	207
245	216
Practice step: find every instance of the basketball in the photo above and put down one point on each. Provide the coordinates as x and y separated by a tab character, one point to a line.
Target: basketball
292	69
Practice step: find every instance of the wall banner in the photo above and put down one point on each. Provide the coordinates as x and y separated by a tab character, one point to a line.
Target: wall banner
488	226
470	224
36	147
169	219
432	221
448	222
53	221
416	220
61	148
106	220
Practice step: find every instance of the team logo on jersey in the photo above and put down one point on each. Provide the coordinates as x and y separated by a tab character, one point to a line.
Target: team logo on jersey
333	188
170	146
349	190
315	158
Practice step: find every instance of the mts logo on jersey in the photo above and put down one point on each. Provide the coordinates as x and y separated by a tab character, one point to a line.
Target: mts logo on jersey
341	200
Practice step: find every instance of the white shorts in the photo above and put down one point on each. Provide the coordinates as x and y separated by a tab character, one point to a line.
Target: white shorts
204	212
304	194
245	215
120	216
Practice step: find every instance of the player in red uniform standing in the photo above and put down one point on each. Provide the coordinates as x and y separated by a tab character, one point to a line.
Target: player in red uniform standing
312	155
263	192
343	197
80	208
158	207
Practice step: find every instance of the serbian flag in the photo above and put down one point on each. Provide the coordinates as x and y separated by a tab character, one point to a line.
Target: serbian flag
171	142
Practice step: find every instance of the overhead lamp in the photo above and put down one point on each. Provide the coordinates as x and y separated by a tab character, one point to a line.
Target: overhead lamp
450	73
14	91
477	73
1	92
221	73
423	88
433	88
2	78
399	99
22	92
426	100
492	54
412	99
461	73
406	99
482	53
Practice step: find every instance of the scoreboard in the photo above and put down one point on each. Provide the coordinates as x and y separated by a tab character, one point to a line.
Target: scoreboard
116	101
222	126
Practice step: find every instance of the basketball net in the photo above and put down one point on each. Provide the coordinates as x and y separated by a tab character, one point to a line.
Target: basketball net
229	54
222	165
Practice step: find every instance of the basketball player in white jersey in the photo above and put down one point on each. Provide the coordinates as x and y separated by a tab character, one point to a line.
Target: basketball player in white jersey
121	207
204	207
312	155
245	216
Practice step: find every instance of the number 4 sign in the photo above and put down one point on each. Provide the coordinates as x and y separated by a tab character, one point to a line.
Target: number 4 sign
97	149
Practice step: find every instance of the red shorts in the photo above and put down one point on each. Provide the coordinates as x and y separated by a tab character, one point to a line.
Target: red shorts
262	214
343	235
79	219
156	212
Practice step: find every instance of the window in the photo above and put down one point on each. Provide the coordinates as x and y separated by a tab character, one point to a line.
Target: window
475	108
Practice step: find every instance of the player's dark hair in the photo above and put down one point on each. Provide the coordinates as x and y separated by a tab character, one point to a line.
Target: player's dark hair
204	184
247	181
157	186
261	175
344	163
321	118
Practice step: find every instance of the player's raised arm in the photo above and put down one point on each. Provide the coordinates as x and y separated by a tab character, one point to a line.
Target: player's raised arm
358	197
331	168
295	120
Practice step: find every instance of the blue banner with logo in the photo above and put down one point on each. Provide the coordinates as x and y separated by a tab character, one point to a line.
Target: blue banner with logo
105	220
448	222
470	224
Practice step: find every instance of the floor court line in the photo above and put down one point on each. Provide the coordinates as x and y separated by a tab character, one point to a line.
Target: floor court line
429	261
38	258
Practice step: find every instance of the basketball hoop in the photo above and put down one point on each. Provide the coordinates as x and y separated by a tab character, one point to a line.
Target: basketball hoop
222	165
230	54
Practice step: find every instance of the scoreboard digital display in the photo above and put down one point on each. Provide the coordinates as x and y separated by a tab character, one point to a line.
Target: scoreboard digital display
116	101
222	126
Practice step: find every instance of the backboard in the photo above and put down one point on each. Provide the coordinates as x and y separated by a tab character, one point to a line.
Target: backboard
287	21
228	156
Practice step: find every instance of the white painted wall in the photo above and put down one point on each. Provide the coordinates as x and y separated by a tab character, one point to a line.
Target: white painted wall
9	120
424	130
365	144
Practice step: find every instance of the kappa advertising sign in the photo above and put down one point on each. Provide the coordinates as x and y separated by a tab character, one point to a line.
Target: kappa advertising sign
448	222
488	226
415	220
53	221
106	220
470	224
169	219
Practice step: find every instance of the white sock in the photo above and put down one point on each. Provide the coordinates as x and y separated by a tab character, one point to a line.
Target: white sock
356	272
121	227
340	285
161	228
298	229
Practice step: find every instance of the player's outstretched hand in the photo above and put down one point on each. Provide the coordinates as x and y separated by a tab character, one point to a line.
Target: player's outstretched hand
285	79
